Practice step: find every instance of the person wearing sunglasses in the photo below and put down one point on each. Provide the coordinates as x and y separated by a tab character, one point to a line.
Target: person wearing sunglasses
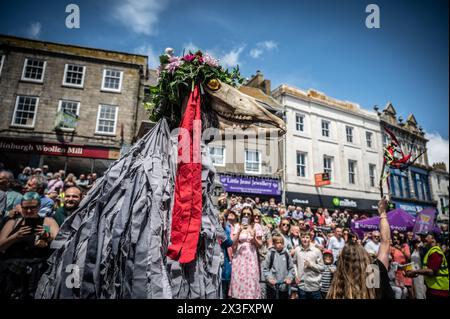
24	249
245	274
373	244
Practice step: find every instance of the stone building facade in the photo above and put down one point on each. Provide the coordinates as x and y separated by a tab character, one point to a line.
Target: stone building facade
440	190
410	189
329	136
67	106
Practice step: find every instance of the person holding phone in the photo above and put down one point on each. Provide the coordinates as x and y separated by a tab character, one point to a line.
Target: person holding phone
29	229
24	249
245	275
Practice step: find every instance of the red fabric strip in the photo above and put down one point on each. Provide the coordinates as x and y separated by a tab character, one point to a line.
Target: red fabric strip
187	209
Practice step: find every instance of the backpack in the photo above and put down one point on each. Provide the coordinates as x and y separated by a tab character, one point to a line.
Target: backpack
272	258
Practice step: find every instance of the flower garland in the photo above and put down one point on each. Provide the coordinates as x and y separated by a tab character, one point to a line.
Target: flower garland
177	76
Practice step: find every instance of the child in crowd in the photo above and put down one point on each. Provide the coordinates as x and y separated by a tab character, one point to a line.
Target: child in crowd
278	270
328	272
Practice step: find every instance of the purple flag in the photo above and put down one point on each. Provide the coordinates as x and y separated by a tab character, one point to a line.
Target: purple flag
425	221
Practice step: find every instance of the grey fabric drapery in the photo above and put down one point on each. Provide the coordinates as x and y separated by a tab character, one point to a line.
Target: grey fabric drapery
119	235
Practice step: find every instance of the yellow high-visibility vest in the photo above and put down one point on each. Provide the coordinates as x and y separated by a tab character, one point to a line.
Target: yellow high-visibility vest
437	281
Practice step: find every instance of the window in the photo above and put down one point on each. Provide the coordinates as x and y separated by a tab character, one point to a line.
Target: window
301	164
252	162
369	139
385	139
299	122
2	60
25	111
72	107
34	70
351	171
399	184
106	119
74	75
328	165
112	80
217	155
372	168
349	133
421	186
325	128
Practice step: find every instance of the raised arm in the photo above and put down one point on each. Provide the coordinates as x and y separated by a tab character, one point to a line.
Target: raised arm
385	231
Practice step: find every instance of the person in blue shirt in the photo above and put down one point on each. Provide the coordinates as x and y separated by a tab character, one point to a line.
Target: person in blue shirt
38	184
226	266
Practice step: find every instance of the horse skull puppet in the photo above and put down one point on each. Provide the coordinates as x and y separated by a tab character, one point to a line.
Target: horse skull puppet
116	245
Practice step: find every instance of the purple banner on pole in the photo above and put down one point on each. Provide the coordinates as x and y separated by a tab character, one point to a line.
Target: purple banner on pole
252	185
425	221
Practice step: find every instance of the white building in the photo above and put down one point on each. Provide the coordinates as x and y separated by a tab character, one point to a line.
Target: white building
440	189
337	137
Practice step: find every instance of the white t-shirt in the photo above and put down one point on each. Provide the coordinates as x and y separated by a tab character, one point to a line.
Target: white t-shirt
336	246
371	247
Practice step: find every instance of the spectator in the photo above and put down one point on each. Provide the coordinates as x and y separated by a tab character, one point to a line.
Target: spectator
373	244
319	219
294	238
308	215
45	170
56	184
416	260
247	238
62	173
317	239
266	244
401	255
72	199
278	270
283	230
226	266
38	184
24	243
82	181
297	214
349	282
258	203
328	272
6	179
400	292
24	176
345	234
308	269
327	217
435	270
336	243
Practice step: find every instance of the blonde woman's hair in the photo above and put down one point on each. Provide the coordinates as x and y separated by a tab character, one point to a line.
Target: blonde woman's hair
349	281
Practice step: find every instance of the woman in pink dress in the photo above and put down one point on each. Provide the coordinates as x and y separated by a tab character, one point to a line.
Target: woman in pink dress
247	238
401	254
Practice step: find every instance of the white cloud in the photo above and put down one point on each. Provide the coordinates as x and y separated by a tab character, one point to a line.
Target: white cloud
269	45
437	149
153	58
231	59
34	30
139	16
255	53
262	47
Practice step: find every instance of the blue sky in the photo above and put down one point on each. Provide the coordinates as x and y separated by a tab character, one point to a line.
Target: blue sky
321	44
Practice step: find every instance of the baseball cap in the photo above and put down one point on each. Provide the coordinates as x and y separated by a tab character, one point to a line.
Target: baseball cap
327	251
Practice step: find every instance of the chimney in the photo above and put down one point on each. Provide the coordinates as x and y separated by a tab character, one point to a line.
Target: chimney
258	81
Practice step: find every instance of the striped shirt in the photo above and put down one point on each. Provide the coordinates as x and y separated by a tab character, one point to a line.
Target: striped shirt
327	277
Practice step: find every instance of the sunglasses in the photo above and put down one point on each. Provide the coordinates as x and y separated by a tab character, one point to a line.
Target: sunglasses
30	207
246	214
284	224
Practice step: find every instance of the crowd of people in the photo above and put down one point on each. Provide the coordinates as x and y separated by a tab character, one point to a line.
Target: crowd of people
33	205
269	251
274	251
